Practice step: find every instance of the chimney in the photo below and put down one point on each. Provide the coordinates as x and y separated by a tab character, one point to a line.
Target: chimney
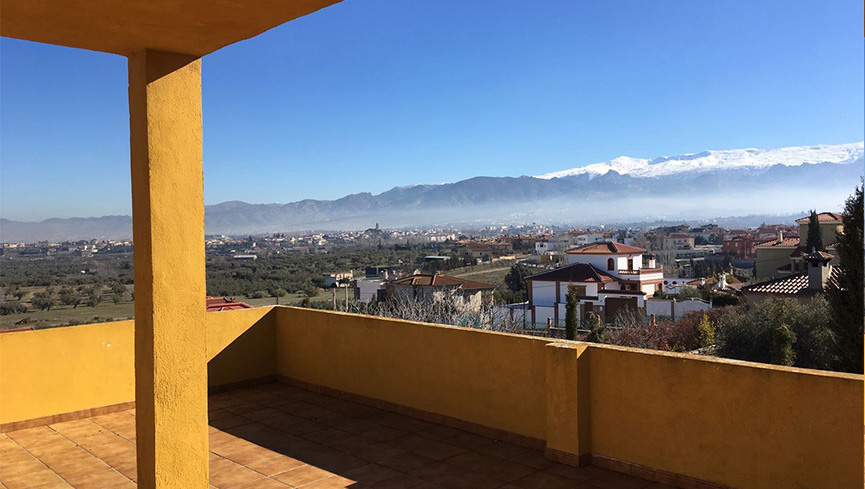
819	270
780	236
652	261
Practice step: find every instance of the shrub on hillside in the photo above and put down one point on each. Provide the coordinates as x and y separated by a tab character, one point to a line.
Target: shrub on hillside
12	307
759	333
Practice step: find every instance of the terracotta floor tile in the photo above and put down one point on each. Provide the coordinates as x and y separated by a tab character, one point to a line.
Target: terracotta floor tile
472	480
404	481
276	436
229	422
263	413
263	484
577	473
371	474
438	472
302	475
248	454
335	482
470	460
437	450
615	480
440	432
406	462
327	436
274	465
99	480
232	476
31	479
546	480
505	470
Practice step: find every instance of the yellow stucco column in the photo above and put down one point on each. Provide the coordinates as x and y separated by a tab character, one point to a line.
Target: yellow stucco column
168	230
568	419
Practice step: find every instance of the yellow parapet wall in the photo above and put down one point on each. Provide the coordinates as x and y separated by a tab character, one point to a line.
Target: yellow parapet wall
742	424
494	380
56	371
61	370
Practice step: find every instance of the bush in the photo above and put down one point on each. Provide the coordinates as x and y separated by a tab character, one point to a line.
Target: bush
706	332
781	352
43	301
759	333
12	307
632	330
598	330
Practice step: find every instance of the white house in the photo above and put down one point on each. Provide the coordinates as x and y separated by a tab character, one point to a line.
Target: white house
609	277
467	295
588	238
338	279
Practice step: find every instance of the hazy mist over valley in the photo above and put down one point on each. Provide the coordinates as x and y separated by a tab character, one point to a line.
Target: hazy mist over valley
761	184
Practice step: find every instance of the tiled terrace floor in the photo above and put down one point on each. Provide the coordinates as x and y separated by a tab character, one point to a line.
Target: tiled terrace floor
277	436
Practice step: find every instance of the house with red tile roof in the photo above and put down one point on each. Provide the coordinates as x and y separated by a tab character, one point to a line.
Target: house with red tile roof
819	274
782	255
741	246
609	277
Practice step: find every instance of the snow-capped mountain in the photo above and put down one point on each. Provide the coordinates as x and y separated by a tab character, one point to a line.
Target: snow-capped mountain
698	186
720	160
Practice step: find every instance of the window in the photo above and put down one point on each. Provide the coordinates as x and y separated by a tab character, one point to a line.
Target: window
611	264
630	264
581	290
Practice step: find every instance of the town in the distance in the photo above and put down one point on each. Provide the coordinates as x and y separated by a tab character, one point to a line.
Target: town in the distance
679	287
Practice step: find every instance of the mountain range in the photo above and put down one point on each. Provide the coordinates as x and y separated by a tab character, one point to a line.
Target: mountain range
690	186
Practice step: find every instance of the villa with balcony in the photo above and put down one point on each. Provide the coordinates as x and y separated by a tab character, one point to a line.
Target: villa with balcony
283	397
609	278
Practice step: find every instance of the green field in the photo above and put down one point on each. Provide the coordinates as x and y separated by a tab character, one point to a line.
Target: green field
107	310
491	273
66	315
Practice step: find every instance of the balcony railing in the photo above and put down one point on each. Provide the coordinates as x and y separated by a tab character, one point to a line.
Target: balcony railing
641	271
658	415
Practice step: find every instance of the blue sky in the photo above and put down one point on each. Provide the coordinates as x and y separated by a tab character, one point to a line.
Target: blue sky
371	94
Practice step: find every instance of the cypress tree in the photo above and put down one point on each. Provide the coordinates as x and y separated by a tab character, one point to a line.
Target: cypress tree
815	234
846	297
571	313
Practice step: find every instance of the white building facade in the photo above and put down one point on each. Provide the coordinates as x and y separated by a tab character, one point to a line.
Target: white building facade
609	277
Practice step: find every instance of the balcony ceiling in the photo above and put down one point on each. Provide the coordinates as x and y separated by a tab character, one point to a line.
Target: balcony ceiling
195	27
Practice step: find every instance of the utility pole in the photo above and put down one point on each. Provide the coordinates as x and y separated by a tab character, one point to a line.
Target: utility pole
334	298
346	297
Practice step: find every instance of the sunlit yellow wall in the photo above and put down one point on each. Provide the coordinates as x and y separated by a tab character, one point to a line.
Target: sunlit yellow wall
494	380
61	370
742	424
55	371
737	423
770	258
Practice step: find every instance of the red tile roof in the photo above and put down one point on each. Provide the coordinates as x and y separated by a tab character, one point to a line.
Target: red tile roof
439	280
608	248
790	285
578	272
823	217
791	242
216	304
